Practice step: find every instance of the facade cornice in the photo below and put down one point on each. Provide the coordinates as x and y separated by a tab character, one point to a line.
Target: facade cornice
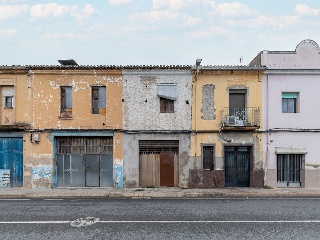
292	71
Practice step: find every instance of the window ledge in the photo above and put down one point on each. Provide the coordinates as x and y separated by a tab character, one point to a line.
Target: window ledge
65	118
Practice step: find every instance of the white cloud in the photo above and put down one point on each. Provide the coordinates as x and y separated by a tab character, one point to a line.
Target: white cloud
303	9
56	10
155	16
174	5
69	36
234	9
118	2
12	1
265	21
192	21
12	11
51	9
84	13
169	19
209	32
8	32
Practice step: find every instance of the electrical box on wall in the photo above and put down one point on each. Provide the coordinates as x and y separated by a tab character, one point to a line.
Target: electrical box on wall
35	137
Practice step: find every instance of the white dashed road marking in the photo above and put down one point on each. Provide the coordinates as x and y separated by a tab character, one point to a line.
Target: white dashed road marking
213	221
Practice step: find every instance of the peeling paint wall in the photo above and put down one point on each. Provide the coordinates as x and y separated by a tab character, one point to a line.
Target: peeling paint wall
45	116
15	85
47	99
118	160
141	104
141	112
131	157
207	127
38	164
41	176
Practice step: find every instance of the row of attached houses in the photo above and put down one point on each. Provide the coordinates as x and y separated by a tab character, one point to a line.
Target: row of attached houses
162	126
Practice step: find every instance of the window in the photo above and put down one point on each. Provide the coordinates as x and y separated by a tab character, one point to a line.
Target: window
98	99
7	93
8	103
167	94
289	169
237	104
66	102
289	102
166	105
207	157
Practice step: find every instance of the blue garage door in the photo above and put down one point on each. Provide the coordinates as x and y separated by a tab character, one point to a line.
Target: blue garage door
11	162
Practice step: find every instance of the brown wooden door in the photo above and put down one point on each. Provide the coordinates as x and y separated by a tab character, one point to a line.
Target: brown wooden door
167	169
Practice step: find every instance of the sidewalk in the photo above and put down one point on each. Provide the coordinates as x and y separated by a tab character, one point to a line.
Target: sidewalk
155	193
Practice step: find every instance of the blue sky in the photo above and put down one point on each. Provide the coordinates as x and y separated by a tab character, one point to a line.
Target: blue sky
152	32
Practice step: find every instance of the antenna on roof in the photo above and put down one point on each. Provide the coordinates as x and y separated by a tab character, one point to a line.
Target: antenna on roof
68	62
241	60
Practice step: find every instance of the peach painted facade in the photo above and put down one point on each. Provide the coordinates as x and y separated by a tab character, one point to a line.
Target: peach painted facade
46	118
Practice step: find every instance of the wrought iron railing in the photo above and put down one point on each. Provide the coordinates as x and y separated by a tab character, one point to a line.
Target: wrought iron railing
241	117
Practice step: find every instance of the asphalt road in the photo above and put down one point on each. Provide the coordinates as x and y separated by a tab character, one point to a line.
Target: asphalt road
160	219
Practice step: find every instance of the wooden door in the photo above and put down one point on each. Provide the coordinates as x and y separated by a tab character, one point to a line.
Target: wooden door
167	169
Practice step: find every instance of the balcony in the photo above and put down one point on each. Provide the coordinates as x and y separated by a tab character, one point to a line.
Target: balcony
240	119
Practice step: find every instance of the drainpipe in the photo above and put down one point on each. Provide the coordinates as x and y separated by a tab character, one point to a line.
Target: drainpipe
198	62
267	128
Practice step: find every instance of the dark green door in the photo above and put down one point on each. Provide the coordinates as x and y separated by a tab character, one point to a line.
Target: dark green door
237	166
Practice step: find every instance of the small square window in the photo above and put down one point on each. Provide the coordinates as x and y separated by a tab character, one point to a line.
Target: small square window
290	102
8	102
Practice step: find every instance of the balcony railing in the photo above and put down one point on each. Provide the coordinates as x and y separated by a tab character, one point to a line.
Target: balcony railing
241	117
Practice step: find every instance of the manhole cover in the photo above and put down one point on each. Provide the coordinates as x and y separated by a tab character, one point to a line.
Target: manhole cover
82	222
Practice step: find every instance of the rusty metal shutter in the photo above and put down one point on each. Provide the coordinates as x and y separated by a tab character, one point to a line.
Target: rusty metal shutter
157	146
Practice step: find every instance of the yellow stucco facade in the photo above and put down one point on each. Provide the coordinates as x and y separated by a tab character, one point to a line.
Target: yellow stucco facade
211	94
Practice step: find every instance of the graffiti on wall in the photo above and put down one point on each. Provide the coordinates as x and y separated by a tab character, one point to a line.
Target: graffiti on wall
4	177
42	176
118	170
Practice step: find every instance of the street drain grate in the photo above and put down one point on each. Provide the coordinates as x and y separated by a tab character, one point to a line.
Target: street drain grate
83	222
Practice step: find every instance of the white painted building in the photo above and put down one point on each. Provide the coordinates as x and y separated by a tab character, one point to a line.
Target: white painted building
157	126
291	116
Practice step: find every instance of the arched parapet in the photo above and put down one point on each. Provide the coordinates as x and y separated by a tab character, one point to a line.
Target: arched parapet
308	43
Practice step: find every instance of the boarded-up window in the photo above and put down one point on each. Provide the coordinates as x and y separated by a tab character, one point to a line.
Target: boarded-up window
207	157
66	102
208	102
98	99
